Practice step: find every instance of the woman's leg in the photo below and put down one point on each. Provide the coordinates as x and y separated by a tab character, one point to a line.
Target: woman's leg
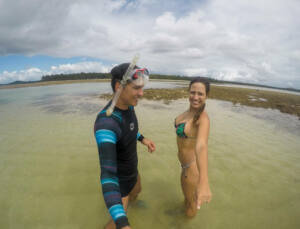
189	177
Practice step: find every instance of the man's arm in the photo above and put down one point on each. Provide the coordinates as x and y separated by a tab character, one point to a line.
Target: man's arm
147	142
139	136
106	134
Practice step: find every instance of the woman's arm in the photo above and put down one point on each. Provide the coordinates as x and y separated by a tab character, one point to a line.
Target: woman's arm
203	190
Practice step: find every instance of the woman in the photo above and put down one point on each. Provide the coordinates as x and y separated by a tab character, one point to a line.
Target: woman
192	129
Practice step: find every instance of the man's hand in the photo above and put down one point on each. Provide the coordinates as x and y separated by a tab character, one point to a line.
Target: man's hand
150	144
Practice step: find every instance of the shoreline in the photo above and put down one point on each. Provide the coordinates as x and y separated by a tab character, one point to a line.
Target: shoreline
282	101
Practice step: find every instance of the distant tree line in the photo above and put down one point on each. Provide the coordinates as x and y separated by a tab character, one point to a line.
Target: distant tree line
85	76
94	75
76	76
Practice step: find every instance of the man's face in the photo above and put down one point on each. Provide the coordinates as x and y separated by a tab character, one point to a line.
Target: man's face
131	93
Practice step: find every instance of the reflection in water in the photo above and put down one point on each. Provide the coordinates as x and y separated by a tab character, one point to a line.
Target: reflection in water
84	103
153	105
3	101
49	170
285	121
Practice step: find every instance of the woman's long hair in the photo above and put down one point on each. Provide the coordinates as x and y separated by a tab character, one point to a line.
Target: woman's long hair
206	83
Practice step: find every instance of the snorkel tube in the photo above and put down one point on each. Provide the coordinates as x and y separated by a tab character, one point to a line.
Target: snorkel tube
124	80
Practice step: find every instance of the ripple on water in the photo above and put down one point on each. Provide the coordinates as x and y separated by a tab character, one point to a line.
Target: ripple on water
49	164
281	120
83	103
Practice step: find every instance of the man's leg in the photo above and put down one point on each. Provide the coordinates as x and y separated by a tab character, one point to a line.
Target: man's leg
111	224
131	196
136	189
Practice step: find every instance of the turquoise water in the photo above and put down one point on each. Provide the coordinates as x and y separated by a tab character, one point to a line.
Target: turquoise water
49	171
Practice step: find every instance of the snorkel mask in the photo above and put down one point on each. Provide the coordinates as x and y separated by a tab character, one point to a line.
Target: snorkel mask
138	77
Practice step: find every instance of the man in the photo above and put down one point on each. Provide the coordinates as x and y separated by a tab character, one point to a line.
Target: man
116	135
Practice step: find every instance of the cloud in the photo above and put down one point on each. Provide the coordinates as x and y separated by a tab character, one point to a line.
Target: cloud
251	41
195	72
33	74
80	67
30	74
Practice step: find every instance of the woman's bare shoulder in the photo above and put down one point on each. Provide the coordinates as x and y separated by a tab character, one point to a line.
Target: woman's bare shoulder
180	117
203	118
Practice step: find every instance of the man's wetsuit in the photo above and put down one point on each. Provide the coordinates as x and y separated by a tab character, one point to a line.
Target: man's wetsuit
116	137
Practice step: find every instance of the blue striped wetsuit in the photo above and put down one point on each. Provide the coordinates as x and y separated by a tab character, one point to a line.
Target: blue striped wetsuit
116	137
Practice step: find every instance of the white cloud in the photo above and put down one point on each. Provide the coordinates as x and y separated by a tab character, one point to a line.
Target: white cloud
253	40
79	67
23	75
33	74
229	74
195	72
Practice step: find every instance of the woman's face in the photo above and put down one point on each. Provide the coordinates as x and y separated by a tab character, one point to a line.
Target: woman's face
197	95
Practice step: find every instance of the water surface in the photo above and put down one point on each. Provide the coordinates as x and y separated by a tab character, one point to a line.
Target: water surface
49	170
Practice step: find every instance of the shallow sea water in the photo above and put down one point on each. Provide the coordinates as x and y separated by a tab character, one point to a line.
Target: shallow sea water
49	169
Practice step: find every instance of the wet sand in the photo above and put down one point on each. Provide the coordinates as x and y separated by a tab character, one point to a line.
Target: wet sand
285	102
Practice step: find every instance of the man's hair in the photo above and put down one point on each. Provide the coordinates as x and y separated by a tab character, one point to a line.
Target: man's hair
117	73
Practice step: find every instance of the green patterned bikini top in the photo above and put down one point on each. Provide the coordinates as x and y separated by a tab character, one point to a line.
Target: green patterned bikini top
180	130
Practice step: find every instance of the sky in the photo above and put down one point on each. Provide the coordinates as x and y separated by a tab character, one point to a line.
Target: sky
251	41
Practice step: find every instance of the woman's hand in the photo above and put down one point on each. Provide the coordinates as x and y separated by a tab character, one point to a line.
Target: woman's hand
204	194
150	144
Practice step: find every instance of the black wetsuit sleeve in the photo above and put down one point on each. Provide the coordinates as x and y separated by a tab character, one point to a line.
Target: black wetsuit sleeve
107	133
139	137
